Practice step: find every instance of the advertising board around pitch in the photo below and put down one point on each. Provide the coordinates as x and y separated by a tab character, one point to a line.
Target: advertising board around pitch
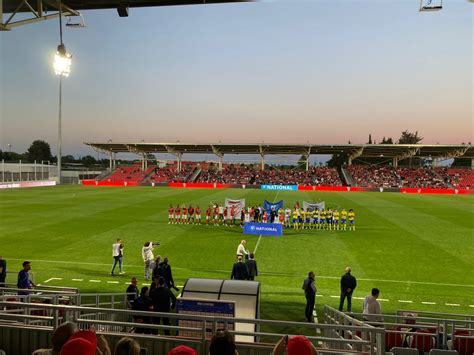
275	229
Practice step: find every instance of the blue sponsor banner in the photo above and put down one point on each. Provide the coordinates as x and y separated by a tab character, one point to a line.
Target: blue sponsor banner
279	187
263	228
267	206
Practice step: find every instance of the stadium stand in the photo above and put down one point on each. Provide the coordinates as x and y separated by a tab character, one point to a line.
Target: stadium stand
384	176
130	173
367	176
230	174
461	178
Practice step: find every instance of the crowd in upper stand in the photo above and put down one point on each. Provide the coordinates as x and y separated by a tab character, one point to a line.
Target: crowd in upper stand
371	176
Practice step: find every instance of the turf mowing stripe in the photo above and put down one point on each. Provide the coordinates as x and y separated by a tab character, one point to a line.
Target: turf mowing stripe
262	273
428	302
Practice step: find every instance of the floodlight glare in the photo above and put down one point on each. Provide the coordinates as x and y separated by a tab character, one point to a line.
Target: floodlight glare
62	61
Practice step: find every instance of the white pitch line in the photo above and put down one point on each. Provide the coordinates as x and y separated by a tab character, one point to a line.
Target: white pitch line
263	273
383	299
404	301
53	278
258	242
428	302
453	304
319	295
112	282
335	296
95	281
471	305
78	280
358	298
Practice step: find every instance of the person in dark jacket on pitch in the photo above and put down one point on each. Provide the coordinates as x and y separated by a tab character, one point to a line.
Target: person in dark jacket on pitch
163	301
309	288
167	274
239	271
348	285
251	267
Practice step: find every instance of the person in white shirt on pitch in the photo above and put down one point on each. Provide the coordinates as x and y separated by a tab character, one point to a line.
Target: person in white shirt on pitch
148	259
117	253
241	251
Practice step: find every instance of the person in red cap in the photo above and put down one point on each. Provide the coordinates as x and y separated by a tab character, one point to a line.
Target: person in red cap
83	342
182	350
297	345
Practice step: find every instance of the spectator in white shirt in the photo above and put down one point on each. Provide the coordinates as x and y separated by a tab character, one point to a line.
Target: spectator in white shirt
117	253
241	251
148	259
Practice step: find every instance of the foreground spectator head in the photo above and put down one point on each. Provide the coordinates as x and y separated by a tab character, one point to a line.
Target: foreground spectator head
375	292
127	346
222	343
26	265
182	350
83	342
61	335
300	345
348	269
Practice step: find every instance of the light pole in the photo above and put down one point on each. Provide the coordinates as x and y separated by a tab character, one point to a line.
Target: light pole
62	67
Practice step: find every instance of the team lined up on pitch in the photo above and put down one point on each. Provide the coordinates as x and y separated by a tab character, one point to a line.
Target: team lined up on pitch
298	218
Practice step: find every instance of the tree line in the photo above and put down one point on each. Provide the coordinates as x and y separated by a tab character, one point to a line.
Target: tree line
40	151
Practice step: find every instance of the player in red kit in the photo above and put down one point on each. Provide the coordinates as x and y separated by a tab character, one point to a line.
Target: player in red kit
177	215
216	215
226	212
208	215
198	215
184	215
170	214
191	214
233	212
264	217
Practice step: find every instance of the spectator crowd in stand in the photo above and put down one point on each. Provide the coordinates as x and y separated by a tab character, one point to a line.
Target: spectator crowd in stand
373	176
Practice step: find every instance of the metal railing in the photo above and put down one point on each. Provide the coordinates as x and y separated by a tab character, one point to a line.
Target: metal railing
119	322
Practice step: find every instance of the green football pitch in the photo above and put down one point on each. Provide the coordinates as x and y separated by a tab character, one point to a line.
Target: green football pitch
417	249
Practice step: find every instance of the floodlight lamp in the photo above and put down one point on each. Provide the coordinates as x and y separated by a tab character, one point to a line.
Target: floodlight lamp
62	61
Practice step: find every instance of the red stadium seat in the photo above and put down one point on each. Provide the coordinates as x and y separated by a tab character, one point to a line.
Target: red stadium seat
392	339
463	345
422	342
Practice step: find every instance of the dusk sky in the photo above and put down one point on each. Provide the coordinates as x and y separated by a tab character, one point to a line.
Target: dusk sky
279	72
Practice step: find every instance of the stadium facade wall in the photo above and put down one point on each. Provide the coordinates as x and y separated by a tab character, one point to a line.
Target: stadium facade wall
407	190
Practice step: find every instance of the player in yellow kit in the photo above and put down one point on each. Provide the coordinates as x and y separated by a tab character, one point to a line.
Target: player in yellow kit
322	218
351	218
295	218
335	219
343	219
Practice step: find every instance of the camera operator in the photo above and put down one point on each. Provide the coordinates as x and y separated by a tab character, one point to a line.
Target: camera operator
148	258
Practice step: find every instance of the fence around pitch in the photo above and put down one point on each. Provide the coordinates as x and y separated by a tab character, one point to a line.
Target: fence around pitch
433	330
116	323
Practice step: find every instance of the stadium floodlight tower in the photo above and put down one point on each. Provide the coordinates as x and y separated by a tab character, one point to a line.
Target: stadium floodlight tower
62	67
